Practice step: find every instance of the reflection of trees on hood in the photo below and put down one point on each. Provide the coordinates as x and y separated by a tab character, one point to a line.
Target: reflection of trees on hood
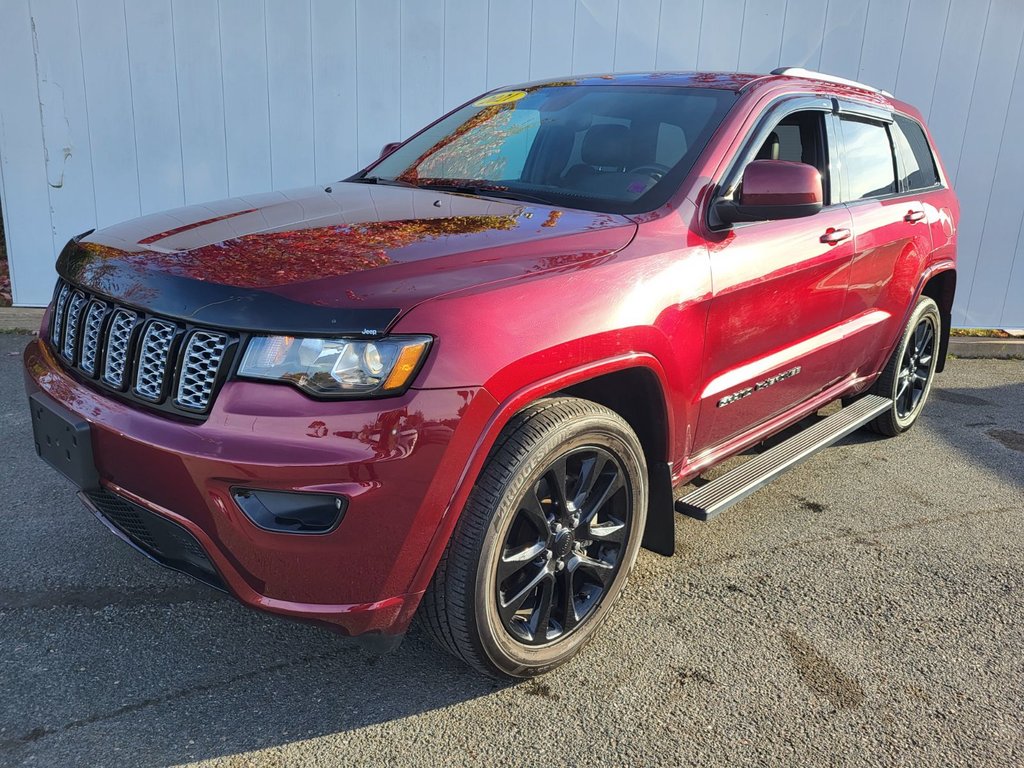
277	258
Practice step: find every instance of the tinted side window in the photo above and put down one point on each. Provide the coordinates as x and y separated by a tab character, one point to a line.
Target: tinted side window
918	161
869	162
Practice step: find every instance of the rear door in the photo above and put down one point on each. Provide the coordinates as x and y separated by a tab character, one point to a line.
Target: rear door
774	325
892	232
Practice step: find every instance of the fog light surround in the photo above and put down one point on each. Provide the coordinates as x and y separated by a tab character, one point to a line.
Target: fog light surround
291	511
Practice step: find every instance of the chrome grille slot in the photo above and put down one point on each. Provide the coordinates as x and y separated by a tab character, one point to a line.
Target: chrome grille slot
58	313
169	365
154	350
91	336
200	364
74	316
119	337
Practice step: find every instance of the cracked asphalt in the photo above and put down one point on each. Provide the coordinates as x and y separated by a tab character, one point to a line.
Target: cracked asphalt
865	609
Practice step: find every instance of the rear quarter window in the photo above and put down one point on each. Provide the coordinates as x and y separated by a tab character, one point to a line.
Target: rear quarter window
919	171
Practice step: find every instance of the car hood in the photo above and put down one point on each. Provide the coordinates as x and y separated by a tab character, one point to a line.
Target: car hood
350	258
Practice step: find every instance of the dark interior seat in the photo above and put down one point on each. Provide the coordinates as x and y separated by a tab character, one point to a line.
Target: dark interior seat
605	149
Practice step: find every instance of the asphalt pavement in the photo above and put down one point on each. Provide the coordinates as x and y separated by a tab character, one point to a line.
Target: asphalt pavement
865	609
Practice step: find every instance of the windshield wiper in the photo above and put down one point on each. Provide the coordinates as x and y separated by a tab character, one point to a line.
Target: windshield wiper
384	182
483	191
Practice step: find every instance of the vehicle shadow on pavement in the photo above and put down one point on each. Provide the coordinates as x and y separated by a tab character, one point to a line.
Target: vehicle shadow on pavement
984	425
201	677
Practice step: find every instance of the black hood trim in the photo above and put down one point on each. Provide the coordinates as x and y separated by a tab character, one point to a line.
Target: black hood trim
215	305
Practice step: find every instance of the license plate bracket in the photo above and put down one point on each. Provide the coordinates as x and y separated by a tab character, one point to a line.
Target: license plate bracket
63	441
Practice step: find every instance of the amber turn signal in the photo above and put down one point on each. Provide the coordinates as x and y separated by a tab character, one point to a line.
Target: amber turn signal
405	366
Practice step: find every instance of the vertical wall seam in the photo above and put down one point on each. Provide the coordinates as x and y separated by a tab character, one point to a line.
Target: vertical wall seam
974	88
700	35
742	28
938	65
401	96
444	50
529	54
657	34
355	43
85	92
824	31
270	101
42	137
863	39
223	95
312	86
572	39
1013	263
177	105
781	33
903	46
131	98
615	37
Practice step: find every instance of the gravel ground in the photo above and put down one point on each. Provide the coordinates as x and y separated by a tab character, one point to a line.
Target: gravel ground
868	608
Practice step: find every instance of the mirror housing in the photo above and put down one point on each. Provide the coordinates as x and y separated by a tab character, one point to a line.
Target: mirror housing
774	189
388	148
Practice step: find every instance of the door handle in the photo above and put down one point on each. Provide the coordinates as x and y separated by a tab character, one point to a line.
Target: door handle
833	236
913	217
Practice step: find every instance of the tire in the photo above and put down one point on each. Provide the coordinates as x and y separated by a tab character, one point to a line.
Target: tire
513	513
907	377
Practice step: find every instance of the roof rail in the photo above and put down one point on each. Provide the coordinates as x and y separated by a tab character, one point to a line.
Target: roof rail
812	75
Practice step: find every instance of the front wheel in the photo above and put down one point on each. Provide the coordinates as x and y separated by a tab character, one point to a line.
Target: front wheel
907	377
545	543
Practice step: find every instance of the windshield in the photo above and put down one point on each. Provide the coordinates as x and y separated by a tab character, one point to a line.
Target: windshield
615	149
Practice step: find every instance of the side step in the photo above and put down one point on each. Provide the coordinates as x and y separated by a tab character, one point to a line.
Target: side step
708	500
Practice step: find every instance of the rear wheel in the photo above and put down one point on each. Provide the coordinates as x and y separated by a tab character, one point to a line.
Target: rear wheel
907	377
545	543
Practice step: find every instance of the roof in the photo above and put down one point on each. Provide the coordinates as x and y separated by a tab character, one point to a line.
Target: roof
817	82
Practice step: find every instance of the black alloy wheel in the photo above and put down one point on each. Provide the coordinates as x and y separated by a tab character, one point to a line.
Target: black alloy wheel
544	546
916	367
564	546
908	375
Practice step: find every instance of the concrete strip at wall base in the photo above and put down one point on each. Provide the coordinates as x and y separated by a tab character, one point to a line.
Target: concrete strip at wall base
21	319
977	347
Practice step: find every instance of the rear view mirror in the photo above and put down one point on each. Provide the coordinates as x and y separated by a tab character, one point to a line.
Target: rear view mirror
390	147
774	189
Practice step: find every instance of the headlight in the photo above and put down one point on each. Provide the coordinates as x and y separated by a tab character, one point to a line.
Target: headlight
337	367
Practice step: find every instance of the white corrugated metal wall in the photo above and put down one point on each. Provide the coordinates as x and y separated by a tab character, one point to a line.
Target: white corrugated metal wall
112	108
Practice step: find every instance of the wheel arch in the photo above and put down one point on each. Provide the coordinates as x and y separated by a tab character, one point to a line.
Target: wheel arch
609	381
940	286
637	396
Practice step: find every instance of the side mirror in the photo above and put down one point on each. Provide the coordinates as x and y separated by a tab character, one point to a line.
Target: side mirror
774	189
390	147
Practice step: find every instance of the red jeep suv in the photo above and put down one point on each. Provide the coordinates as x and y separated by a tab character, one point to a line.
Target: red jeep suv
466	381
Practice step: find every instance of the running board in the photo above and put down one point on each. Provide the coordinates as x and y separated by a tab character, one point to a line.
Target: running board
708	500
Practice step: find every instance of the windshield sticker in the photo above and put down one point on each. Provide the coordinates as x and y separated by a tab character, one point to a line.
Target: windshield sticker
497	99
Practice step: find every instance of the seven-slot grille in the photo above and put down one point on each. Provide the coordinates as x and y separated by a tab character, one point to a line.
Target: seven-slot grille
136	355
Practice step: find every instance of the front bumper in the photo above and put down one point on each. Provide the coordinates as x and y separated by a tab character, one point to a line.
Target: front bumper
398	461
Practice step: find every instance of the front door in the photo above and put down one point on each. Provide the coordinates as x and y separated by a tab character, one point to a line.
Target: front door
775	323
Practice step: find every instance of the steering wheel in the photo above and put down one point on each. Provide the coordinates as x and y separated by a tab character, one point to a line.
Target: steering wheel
655	170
